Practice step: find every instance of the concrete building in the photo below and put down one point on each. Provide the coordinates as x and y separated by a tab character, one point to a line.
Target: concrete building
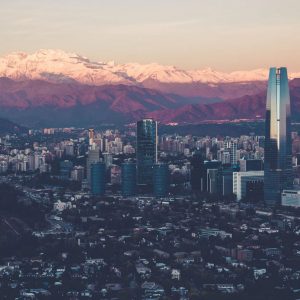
242	179
290	198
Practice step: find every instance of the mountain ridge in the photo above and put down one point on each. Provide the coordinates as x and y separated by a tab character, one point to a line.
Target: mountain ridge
60	66
52	86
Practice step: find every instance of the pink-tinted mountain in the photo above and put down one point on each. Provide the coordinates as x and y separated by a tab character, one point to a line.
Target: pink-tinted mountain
38	102
44	103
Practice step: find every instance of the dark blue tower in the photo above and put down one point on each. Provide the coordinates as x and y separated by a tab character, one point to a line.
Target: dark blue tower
98	174
197	171
161	180
146	154
128	179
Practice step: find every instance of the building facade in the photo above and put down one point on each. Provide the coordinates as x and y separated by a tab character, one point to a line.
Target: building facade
278	144
98	176
290	198
93	157
128	179
161	180
146	153
241	182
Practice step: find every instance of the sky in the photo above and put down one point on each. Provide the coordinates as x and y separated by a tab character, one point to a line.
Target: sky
226	35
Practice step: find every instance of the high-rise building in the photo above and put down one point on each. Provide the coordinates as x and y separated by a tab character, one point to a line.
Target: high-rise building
77	173
107	159
233	152
212	164
98	174
128	179
197	171
226	181
91	136
65	168
93	157
278	145
242	180
212	181
146	153
160	180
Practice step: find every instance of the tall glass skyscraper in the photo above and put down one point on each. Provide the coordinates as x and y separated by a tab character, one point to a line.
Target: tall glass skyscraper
197	172
98	174
146	154
93	157
128	179
278	145
160	180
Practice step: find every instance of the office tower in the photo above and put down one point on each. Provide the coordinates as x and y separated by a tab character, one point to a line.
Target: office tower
278	145
161	180
254	190
197	171
69	149
242	180
98	174
212	164
226	181
91	137
107	159
224	156
93	157
77	173
212	181
233	152
146	150
128	179
65	168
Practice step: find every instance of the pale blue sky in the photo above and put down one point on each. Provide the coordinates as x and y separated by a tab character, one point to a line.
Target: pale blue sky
224	34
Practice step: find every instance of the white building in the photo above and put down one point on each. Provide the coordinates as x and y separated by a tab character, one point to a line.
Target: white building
77	173
61	206
175	274
290	198
240	180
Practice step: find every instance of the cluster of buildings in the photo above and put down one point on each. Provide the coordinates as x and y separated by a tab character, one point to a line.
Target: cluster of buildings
149	248
155	216
259	169
226	167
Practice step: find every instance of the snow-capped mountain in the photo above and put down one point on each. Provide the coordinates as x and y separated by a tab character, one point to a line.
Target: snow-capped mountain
52	87
59	66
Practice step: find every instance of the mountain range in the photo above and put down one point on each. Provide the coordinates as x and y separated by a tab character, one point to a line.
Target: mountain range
55	88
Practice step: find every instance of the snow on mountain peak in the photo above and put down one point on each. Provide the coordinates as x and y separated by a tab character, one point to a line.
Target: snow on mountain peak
58	65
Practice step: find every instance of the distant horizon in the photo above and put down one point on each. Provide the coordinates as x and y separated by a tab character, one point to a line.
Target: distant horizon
225	35
117	62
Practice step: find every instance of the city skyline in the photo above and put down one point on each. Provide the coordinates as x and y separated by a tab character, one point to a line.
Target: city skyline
149	151
235	35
